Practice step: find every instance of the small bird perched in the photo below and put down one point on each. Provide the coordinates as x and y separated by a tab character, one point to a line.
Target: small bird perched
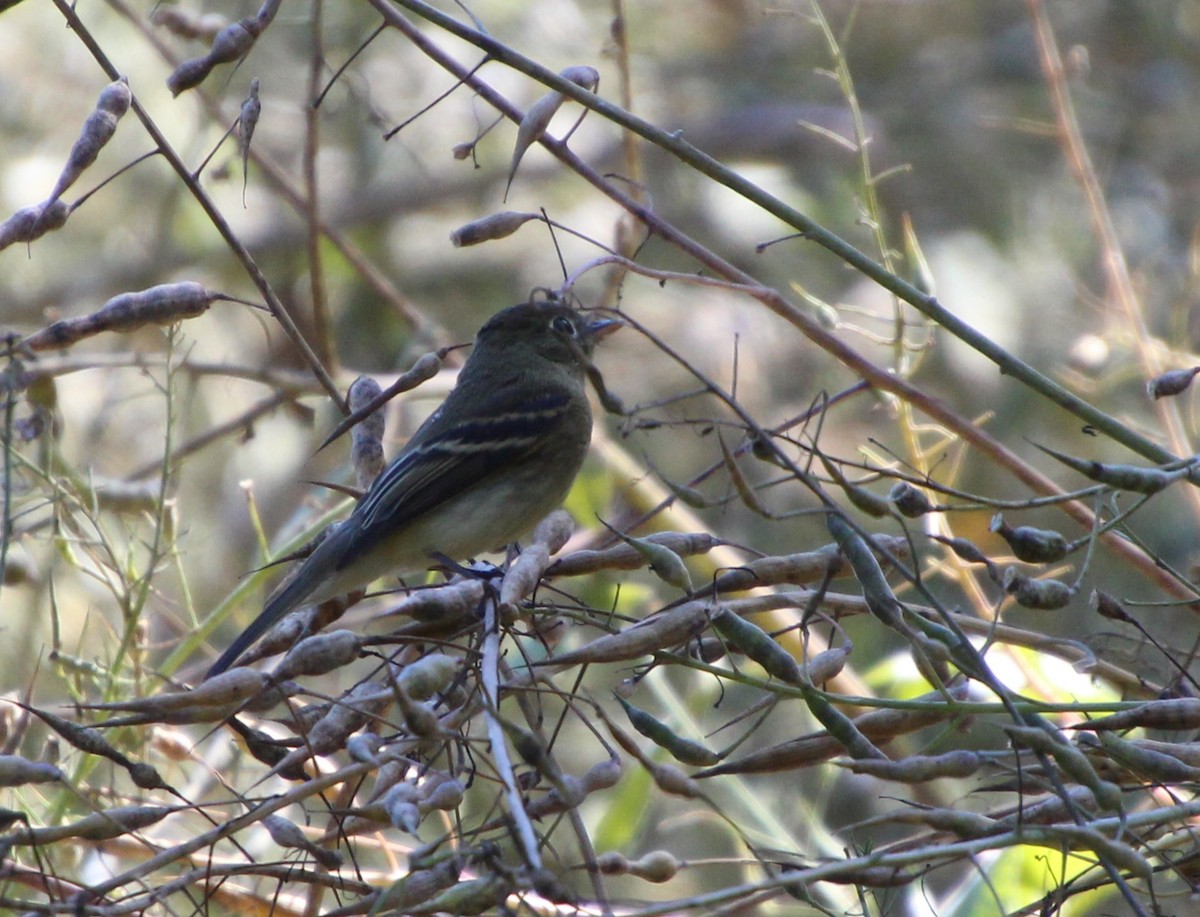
499	454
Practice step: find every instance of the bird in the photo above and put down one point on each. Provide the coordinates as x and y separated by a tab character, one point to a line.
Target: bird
497	455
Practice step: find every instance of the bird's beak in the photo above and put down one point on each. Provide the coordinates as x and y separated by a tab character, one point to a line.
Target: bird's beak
600	328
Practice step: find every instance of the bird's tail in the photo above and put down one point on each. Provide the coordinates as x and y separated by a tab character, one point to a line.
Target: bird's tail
287	597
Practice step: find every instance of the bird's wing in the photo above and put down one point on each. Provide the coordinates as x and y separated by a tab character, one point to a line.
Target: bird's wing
449	461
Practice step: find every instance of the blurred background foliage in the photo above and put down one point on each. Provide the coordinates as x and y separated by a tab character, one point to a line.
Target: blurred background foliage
962	143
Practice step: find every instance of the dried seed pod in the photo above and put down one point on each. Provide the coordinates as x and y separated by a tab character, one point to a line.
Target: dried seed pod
229	689
524	575
554	531
841	727
98	129
1176	713
17	771
99	826
826	665
658	732
1112	851
1145	762
1133	478
863	499
420	720
428	676
443	795
673	781
625	557
1108	607
1187	752
662	561
447	603
472	896
533	125
416	888
31	223
388	776
188	75
1173	382
602	775
877	725
582	75
288	834
880	599
84	738
294	627
530	748
1073	762
655	866
330	733
708	649
918	768
797	569
491	227
187	24
967	551
966	825
758	645
234	41
669	628
319	654
247	122
689	495
744	490
400	802
963	549
1040	594
364	747
366	436
612	863
909	500
567	793
1051	810
1034	546
160	305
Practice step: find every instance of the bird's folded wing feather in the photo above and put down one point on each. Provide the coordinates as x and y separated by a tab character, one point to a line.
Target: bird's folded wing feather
451	461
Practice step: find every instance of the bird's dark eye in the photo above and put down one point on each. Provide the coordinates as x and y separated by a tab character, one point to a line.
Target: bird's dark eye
564	325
